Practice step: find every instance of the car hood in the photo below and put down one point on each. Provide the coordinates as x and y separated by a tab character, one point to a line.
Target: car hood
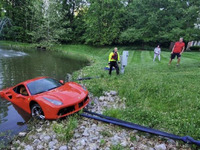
69	93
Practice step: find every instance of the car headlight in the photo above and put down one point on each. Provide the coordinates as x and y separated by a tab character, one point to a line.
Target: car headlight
53	101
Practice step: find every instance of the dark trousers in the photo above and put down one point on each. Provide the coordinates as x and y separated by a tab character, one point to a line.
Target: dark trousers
114	64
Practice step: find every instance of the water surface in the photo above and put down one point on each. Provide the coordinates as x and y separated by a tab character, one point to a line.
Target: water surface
18	66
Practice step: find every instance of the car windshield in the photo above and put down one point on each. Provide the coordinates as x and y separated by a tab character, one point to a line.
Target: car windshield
42	85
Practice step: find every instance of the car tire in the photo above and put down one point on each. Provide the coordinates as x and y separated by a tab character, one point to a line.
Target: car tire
37	112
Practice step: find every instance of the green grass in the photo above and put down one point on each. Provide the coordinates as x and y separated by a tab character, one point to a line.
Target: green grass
157	95
65	130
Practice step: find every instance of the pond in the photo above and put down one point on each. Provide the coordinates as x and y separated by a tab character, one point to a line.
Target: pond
17	66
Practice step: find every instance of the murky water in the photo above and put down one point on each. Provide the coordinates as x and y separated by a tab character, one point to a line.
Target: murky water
18	66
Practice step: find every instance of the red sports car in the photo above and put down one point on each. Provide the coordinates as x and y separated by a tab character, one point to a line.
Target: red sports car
47	98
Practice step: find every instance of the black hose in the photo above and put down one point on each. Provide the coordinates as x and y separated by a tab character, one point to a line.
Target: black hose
86	78
186	139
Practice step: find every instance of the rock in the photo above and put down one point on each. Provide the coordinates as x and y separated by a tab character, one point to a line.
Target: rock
124	144
160	147
17	142
82	142
22	144
78	148
36	142
39	130
111	99
85	133
64	147
22	134
41	136
137	138
28	147
77	135
113	93
40	147
170	141
46	139
52	144
115	140
143	147
93	146
132	148
101	98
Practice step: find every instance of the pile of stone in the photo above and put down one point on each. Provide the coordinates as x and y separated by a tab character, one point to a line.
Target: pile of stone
109	100
93	135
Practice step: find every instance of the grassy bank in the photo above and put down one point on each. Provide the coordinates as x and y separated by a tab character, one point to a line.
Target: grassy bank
157	95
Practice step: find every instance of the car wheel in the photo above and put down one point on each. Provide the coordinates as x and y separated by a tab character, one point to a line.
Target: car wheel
37	112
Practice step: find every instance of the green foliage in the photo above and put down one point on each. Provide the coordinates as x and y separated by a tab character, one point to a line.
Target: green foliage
100	22
103	22
117	147
160	21
115	113
65	130
195	48
102	142
106	133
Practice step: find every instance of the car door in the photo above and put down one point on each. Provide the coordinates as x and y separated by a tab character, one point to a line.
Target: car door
21	97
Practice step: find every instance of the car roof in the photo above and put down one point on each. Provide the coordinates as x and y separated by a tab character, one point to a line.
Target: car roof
31	80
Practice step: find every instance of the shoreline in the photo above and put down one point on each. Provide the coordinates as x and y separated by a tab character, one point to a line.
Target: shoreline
95	70
91	134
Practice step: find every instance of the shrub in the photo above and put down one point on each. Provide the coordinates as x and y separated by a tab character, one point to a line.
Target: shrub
195	48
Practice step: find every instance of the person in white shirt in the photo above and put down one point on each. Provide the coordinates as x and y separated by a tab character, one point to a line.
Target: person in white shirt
157	52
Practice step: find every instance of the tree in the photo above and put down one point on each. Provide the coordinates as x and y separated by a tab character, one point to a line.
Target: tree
160	20
103	22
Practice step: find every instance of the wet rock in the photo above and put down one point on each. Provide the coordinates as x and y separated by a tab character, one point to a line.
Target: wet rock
160	147
22	134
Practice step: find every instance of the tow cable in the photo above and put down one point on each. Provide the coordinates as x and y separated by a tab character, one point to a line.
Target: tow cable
100	117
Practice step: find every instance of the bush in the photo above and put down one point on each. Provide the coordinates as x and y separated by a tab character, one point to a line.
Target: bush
195	48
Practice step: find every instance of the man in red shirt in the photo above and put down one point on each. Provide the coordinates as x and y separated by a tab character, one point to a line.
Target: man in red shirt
177	50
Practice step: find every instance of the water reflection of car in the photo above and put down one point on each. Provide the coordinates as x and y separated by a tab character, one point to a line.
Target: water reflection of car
44	97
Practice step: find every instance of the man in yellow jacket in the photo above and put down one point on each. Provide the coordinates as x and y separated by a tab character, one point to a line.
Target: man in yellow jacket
114	58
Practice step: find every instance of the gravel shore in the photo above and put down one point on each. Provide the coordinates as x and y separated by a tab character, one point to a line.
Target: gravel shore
94	135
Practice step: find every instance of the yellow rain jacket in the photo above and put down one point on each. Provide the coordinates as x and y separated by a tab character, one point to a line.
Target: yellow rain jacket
114	57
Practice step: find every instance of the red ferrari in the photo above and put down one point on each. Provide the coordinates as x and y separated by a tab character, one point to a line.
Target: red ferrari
47	98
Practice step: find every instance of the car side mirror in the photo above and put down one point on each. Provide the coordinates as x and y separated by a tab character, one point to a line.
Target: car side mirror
61	81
